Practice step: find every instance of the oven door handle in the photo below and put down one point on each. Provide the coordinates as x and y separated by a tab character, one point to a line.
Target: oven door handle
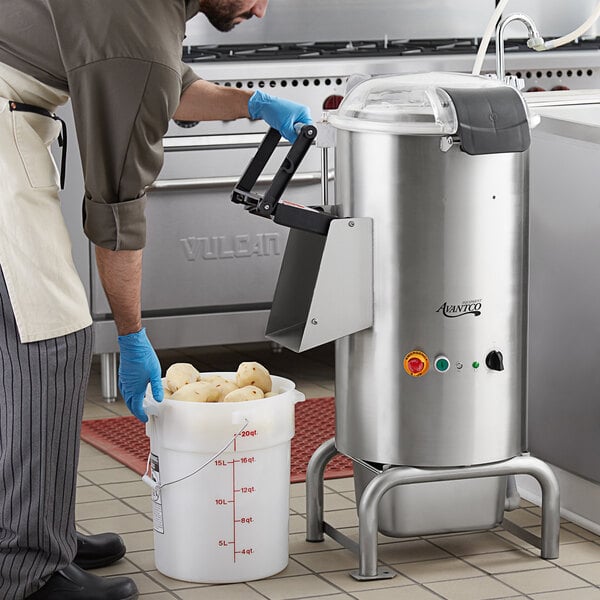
214	142
207	183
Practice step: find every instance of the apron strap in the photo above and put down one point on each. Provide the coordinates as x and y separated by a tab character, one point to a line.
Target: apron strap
62	136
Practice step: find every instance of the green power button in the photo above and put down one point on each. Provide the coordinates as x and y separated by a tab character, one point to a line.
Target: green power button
441	364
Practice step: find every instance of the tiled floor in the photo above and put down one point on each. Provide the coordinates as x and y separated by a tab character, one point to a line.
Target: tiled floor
470	566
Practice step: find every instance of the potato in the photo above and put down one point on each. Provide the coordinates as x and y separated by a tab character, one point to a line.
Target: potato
249	392
167	392
253	373
223	385
214	378
180	374
271	394
225	388
199	391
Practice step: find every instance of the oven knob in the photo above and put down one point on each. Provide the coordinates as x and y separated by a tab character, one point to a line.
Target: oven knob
495	361
332	102
186	124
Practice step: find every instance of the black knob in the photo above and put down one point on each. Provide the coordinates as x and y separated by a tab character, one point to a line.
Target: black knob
495	361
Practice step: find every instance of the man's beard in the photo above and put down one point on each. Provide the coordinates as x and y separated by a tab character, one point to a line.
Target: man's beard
223	13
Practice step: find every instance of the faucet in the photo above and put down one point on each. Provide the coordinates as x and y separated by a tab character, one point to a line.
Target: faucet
535	41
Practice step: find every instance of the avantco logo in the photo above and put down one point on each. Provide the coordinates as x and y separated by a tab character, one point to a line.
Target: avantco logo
466	307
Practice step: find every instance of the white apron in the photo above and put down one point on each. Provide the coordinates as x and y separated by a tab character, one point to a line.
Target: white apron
47	296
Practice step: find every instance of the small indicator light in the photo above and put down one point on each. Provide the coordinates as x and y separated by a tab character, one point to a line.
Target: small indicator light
416	363
476	365
441	364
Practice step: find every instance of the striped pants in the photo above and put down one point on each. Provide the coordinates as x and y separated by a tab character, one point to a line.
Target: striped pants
42	391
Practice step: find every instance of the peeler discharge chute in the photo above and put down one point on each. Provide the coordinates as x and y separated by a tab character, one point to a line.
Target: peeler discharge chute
324	290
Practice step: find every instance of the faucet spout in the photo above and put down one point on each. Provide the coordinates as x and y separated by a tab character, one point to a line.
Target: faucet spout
535	40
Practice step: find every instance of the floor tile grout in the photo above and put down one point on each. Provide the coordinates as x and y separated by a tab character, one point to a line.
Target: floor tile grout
337	493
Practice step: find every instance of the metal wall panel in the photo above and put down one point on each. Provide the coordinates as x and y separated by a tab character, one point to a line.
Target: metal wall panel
564	328
333	20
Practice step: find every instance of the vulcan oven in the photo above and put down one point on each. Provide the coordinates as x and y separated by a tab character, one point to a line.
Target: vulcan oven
210	269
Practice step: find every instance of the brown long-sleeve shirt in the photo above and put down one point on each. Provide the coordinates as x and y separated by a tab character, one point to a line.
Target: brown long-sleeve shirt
120	61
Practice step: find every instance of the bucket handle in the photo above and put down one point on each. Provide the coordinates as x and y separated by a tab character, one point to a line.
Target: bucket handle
156	487
151	406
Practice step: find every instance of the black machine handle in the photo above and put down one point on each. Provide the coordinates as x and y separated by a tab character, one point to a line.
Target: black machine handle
269	205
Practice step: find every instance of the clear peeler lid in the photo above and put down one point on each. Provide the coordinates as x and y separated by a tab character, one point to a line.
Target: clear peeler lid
415	104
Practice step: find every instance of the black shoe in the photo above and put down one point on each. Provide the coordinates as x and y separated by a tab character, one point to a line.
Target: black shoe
95	551
72	583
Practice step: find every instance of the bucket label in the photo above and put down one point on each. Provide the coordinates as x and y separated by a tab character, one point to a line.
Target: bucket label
157	517
157	512
154	468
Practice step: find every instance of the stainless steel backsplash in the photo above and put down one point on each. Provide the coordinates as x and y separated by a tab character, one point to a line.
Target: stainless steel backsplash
335	20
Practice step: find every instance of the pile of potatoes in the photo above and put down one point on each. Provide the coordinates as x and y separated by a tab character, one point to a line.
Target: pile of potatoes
184	382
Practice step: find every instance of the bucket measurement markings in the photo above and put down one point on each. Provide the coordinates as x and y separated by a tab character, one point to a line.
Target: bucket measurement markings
246	433
245	520
237	521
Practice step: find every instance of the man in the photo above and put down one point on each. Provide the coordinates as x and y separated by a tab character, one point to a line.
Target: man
119	61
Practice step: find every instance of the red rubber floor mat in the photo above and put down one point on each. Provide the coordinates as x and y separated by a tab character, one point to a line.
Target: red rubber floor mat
124	439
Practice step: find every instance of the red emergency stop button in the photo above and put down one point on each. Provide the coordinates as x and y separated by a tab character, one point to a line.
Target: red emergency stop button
416	363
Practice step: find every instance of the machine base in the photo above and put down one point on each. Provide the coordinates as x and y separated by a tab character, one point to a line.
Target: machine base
368	507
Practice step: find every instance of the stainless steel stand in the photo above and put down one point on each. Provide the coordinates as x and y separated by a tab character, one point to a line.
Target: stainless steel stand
108	376
369	503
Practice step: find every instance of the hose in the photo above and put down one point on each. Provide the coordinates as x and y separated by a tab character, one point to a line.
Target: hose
487	36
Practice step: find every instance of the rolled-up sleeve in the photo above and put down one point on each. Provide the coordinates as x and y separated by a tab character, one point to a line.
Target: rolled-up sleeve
122	108
187	77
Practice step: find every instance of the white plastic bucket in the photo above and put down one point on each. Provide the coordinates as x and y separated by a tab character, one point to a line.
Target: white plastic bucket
227	521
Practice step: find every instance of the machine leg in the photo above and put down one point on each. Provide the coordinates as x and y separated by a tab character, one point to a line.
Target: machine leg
314	489
550	505
108	376
368	519
513	500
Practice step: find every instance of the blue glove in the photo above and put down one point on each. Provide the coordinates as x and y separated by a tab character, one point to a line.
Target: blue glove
138	366
279	113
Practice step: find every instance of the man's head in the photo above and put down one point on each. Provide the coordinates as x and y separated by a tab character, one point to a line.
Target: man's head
226	14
